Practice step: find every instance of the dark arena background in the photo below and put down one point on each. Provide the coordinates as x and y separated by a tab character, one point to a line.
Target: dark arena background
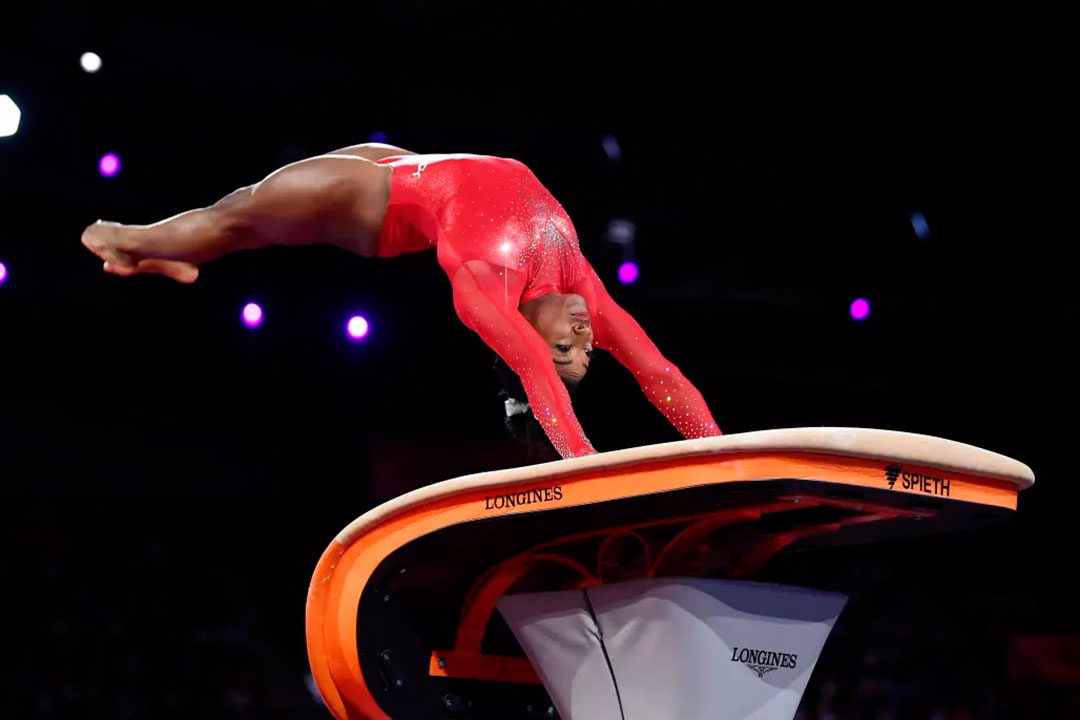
169	476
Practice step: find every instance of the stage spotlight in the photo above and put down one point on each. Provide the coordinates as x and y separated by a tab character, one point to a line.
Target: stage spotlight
628	272
621	231
860	309
919	225
109	165
357	327
90	61
611	147
3	273
252	315
9	116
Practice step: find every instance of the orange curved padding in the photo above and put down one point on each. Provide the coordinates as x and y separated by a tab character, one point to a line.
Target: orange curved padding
344	569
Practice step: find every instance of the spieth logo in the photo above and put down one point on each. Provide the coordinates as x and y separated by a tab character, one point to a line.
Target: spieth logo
763	661
917	482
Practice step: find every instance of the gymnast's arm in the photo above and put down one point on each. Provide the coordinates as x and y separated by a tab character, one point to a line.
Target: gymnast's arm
666	387
486	299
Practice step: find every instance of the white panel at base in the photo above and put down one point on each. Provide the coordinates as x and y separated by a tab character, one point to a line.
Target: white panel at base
677	648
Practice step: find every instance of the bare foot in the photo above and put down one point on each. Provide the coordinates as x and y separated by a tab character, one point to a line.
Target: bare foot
106	240
103	239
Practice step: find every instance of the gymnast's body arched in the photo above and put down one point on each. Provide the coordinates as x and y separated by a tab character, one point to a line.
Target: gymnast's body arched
511	252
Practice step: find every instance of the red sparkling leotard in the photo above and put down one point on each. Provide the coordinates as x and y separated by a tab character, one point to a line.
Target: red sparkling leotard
504	240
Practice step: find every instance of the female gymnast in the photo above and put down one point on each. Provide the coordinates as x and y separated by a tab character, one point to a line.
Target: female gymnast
518	276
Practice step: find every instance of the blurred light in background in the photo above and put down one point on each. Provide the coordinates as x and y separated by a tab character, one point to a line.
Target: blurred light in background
3	273
620	231
91	62
9	116
919	225
628	272
611	147
860	309
357	327
109	165
378	136
253	315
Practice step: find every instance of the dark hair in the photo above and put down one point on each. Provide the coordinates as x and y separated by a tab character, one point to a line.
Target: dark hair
523	428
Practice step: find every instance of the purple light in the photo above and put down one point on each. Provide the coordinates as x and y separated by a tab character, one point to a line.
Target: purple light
109	165
860	309
357	327
628	272
611	147
919	225
378	137
3	273
253	315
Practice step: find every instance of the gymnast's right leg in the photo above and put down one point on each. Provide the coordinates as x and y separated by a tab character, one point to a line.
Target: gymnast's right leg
335	199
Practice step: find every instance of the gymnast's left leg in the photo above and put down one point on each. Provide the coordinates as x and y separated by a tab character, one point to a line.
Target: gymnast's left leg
335	199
